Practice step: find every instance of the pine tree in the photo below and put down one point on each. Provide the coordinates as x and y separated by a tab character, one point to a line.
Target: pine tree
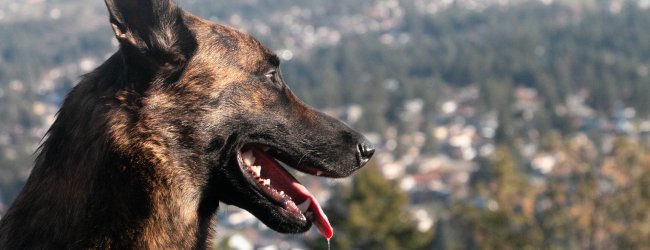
501	215
371	213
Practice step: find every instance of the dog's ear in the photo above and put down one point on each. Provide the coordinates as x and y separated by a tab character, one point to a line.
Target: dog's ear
151	33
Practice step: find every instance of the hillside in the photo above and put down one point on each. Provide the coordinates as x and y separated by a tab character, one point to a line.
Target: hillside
462	98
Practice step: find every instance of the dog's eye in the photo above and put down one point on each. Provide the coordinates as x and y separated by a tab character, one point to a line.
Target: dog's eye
271	74
272	77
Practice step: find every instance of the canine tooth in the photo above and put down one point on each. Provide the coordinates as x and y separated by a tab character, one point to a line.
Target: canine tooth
248	157
281	193
266	182
256	170
318	172
304	206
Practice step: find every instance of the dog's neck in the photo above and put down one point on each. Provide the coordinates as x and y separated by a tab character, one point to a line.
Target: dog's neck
145	204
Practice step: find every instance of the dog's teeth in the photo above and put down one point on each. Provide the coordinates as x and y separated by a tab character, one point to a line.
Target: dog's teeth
318	172
256	170
304	206
281	193
266	182
248	158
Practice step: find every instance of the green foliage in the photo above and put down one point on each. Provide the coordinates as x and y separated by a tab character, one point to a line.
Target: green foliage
371	214
598	203
502	216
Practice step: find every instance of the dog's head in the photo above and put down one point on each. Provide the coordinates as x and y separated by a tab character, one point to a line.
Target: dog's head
215	98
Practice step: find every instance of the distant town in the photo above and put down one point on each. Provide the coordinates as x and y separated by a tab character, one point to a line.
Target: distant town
431	157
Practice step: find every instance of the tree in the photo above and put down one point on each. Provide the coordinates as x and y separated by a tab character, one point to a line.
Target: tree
501	215
371	214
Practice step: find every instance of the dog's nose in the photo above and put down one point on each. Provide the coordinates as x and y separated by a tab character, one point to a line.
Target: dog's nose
366	150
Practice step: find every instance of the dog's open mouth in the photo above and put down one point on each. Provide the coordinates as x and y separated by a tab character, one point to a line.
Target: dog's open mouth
262	167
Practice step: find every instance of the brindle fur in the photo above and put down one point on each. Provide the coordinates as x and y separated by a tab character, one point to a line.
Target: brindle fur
143	148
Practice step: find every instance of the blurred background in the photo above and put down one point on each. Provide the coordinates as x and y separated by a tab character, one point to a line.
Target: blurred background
500	124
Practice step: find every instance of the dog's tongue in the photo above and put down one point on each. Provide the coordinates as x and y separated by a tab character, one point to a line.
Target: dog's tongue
319	218
282	180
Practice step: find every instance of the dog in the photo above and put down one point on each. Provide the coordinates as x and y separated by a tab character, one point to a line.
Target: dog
187	113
